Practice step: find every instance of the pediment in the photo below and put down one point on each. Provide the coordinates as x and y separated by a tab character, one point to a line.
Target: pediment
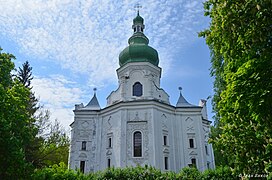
189	119
192	153
166	150
83	155
109	153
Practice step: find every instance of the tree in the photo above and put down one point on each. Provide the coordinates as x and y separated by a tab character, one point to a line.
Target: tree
50	145
21	130
14	119
25	77
240	40
56	147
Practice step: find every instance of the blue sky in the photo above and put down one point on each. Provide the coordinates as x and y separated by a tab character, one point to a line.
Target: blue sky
73	46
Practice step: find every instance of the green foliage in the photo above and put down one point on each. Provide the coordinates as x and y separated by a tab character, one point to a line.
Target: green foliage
6	66
220	173
240	40
24	143
55	148
190	174
50	144
133	173
57	172
25	75
16	131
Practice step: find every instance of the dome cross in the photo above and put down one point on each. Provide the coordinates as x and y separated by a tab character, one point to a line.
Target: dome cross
138	7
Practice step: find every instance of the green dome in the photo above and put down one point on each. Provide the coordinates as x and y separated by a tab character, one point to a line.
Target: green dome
138	19
139	53
138	49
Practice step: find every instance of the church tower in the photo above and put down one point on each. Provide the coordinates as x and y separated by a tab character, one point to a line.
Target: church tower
139	126
139	74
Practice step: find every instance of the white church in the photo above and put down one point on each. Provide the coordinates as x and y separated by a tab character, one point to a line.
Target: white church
139	126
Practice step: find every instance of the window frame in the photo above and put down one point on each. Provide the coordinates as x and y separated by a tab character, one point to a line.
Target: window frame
165	140
82	166
137	89
84	145
109	163
206	149
191	143
109	142
140	148
193	162
166	163
208	165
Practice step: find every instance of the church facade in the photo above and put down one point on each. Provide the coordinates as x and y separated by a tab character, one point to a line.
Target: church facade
139	126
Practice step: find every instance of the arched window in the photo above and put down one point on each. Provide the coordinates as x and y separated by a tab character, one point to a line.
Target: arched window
137	144
137	89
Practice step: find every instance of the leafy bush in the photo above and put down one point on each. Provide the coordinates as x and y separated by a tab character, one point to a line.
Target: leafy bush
219	173
59	172
190	174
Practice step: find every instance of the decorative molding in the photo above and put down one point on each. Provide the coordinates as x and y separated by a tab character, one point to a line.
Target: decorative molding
136	117
189	118
85	134
191	135
131	128
109	123
164	122
166	150
108	153
82	156
146	115
190	128
192	153
84	124
206	134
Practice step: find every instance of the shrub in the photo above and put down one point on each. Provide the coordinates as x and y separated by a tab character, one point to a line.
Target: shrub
219	173
59	172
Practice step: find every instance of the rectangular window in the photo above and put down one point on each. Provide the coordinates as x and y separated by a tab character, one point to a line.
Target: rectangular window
206	149
83	146
166	163
193	160
82	166
109	163
137	144
110	143
165	140
208	165
191	142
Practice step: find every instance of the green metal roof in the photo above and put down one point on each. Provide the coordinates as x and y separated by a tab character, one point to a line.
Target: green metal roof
138	19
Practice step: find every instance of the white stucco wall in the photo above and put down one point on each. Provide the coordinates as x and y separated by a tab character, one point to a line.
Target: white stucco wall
152	115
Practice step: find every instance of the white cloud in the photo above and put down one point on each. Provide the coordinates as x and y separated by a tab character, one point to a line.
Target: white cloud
58	95
87	36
